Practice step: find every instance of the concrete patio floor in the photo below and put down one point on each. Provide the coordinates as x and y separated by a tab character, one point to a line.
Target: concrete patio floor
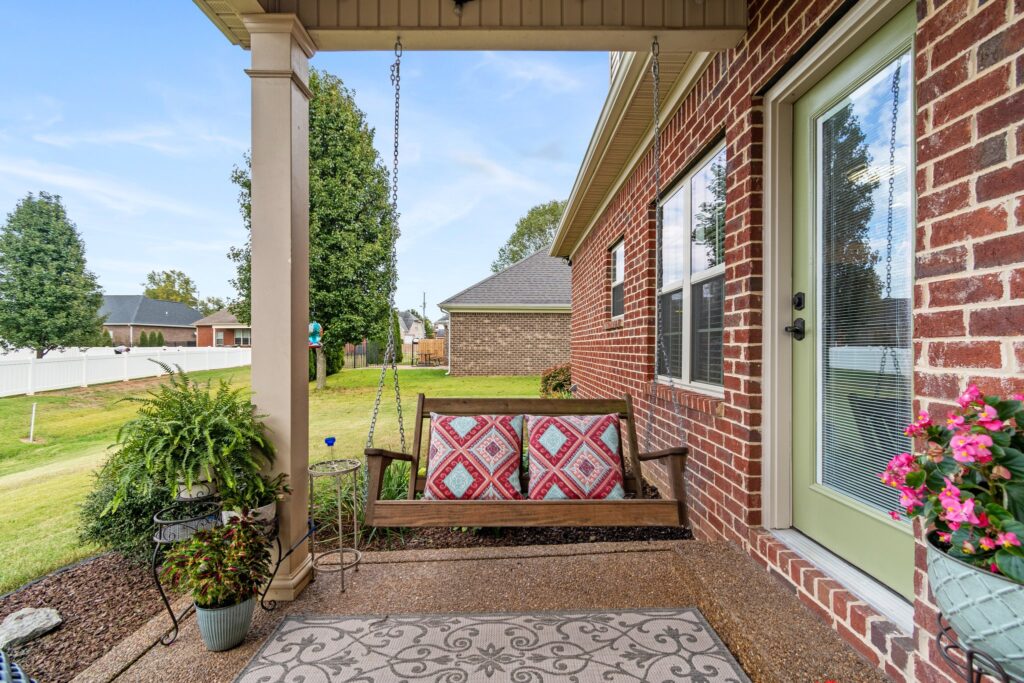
772	634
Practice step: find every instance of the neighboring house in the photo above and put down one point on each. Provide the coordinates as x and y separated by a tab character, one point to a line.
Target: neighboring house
854	169
127	316
412	328
515	322
441	327
222	329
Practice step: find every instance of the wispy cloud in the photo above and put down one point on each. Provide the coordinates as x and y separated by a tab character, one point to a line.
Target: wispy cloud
174	140
112	193
526	72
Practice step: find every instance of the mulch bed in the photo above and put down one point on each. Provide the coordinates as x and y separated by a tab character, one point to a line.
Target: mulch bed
102	601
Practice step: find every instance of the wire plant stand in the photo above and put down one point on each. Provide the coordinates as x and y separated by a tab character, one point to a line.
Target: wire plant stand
340	558
975	666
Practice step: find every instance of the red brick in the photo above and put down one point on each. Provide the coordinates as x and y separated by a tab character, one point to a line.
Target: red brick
943	81
965	290
1003	321
941	22
940	324
977	223
969	33
999	251
944	141
978	92
1001	46
1017	284
969	161
952	260
1001	114
937	385
972	354
1001	183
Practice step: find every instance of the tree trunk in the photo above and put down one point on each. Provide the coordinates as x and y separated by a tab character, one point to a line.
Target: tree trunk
40	352
321	368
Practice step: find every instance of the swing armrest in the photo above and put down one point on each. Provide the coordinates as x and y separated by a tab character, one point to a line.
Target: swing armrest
664	453
384	453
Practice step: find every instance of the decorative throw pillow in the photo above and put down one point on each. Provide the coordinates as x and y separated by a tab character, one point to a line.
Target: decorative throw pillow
574	456
474	457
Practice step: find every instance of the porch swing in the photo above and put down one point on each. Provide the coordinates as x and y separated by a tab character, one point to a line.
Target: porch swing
414	512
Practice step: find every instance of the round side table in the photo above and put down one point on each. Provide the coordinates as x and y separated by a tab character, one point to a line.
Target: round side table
341	558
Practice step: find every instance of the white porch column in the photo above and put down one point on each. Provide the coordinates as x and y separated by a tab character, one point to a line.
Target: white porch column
281	49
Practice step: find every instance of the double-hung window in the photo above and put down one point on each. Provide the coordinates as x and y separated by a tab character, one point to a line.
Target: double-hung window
691	288
618	258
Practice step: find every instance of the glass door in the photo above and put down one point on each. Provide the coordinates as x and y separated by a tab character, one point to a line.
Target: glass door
853	249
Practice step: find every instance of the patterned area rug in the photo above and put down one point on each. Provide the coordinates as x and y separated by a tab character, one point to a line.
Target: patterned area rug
603	647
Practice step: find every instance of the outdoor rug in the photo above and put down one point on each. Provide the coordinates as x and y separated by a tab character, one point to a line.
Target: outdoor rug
603	647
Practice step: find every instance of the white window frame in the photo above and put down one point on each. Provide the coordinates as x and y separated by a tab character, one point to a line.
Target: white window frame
683	190
218	338
620	244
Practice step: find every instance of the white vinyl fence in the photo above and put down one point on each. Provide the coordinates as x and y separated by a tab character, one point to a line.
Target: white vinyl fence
24	374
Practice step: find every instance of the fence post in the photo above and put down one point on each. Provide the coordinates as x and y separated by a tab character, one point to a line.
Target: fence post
85	369
31	375
207	360
124	363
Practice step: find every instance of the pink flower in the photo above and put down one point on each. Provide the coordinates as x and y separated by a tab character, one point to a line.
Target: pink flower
944	537
987	543
922	423
989	419
896	471
993	568
969	548
911	498
895	515
1007	539
1017	397
956	512
954	421
972	395
968	448
949	491
1001	472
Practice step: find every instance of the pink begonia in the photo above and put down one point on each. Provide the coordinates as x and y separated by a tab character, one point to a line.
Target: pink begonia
993	568
956	512
949	492
1001	472
969	547
972	395
987	543
1017	397
1007	539
896	471
954	421
895	515
911	498
944	537
923	422
989	419
969	448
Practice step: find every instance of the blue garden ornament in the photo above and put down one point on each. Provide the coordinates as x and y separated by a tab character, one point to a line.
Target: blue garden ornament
315	333
330	441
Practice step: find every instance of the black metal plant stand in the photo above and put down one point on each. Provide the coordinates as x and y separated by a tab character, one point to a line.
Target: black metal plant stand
973	665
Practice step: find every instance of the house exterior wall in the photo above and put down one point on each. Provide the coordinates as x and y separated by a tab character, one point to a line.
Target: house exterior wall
173	336
507	343
204	335
969	294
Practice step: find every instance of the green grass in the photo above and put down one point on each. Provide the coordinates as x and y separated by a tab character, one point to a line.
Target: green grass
42	484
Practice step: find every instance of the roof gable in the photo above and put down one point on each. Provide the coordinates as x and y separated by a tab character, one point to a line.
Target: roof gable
538	280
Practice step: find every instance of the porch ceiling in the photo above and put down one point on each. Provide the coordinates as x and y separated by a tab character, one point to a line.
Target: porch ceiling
614	25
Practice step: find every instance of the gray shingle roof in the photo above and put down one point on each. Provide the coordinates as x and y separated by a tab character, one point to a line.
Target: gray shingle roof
221	317
135	309
537	280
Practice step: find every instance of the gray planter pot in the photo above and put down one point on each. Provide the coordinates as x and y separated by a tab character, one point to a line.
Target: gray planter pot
986	610
225	627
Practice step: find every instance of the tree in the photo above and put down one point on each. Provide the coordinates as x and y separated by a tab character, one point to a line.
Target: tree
171	285
159	338
143	339
211	305
48	298
533	232
351	222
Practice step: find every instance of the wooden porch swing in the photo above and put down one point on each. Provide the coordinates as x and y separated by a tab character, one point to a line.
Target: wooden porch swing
415	512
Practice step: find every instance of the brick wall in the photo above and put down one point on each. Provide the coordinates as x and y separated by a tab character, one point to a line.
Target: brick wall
969	296
204	335
507	343
173	336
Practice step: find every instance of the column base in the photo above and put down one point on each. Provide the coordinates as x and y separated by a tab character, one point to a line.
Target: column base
285	588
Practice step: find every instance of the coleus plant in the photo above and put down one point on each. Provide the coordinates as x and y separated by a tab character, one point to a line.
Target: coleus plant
968	482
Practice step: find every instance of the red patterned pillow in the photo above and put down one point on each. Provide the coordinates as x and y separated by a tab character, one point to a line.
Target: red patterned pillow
575	456
474	457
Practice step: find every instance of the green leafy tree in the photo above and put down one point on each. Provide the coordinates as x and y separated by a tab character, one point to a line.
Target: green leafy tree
211	305
48	298
159	338
533	232
351	222
171	285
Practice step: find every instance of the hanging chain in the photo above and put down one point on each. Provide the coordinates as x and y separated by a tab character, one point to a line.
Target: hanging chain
390	353
895	89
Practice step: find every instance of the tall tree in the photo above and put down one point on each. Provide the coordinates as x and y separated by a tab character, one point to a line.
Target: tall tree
171	285
211	304
533	232
48	298
351	222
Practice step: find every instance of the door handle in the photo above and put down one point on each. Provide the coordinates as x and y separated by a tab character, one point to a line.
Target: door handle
797	329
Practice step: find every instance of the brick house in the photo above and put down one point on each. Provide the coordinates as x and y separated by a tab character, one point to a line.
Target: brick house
127	316
857	165
515	322
222	329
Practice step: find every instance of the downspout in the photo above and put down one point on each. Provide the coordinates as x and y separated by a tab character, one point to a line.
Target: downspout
448	344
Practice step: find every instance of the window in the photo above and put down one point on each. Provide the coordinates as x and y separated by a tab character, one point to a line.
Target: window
219	338
691	288
618	253
243	337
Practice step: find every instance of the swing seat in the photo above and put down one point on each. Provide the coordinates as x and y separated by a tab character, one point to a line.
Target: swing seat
635	511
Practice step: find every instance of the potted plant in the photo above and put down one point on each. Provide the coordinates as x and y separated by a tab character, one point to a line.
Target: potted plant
224	569
194	438
968	484
258	496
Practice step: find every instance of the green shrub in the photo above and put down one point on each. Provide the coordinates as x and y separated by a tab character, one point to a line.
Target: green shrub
335	361
159	339
325	496
143	339
556	382
129	528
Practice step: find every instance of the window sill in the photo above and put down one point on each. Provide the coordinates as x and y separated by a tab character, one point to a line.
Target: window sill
690	398
614	324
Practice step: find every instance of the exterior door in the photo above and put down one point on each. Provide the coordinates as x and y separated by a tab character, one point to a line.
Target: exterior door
852	255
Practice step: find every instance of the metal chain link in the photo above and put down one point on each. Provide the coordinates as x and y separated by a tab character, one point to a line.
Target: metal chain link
895	89
390	354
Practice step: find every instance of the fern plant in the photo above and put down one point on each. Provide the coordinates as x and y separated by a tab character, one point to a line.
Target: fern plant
187	431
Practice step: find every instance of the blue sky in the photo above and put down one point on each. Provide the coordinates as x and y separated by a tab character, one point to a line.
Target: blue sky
135	114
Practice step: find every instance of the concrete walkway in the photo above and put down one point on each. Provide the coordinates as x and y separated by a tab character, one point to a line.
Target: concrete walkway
774	637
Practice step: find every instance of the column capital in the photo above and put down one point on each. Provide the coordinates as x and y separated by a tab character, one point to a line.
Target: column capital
281	23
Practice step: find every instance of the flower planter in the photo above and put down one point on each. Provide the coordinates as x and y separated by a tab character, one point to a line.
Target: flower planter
225	627
199	489
265	514
986	610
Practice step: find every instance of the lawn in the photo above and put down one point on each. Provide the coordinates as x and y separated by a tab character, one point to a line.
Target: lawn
42	484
